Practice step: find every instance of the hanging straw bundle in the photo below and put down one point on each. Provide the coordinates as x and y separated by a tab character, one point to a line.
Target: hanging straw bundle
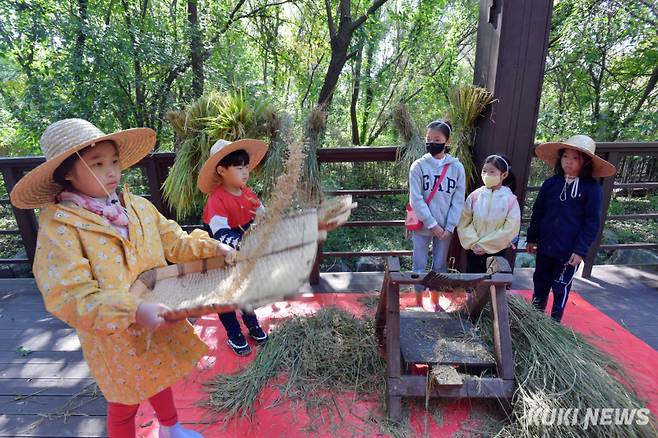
414	145
465	105
214	116
310	192
279	130
557	368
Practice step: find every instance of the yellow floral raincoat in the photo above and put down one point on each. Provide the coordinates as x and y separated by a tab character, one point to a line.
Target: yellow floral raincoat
84	269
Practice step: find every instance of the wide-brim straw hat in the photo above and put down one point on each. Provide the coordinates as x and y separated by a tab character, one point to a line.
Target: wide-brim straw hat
549	154
209	179
261	274
63	139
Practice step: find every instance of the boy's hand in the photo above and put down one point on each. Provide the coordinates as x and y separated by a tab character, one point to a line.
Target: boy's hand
149	316
226	251
531	248
575	259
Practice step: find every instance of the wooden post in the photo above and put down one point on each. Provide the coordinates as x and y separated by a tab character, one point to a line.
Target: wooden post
501	333
314	278
510	56
155	176
608	184
380	315
388	316
393	359
26	219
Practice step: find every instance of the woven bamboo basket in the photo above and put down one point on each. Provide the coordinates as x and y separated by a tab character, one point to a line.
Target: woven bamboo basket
207	286
259	275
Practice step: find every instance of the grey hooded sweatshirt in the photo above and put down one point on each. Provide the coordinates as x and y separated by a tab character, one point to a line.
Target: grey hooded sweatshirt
446	207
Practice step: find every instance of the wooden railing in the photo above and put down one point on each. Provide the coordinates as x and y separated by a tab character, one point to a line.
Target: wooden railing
155	168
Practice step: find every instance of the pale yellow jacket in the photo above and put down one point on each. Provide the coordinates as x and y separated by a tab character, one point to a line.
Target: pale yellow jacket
491	219
84	269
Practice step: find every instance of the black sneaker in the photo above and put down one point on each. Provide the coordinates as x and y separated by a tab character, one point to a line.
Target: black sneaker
258	335
239	345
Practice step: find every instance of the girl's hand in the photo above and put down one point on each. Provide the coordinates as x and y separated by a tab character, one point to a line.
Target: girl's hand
149	316
226	251
477	249
437	231
446	235
531	248
575	259
327	226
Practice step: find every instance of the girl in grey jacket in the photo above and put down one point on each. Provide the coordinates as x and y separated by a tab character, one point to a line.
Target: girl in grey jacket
441	215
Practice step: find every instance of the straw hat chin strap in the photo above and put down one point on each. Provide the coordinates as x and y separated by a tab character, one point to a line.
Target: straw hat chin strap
93	174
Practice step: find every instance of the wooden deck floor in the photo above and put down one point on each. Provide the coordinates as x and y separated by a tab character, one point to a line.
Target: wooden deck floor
37	389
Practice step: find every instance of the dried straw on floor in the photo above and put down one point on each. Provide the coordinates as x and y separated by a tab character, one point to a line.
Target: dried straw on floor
333	351
328	353
557	368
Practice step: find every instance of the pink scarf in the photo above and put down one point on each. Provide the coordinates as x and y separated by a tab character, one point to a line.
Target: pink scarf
111	210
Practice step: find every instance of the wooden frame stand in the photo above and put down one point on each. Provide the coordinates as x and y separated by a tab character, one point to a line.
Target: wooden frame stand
399	383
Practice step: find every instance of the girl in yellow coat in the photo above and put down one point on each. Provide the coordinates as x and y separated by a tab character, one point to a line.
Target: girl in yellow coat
92	245
491	218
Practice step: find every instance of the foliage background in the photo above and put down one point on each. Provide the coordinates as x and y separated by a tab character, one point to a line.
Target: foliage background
125	63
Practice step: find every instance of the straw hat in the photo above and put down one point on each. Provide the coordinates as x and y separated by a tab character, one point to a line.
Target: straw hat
549	153
208	179
64	138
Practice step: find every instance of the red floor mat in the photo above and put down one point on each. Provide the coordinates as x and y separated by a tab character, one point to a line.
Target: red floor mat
290	419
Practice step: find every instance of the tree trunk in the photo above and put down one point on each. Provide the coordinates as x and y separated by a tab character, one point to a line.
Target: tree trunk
340	44
140	96
369	93
355	95
80	40
338	59
196	49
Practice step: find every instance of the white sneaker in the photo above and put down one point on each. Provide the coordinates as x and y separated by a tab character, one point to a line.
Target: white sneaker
177	431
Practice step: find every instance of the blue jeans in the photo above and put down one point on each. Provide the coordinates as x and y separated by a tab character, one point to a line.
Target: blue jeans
232	326
421	254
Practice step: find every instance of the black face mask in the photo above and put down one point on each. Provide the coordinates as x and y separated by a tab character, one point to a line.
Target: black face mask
435	148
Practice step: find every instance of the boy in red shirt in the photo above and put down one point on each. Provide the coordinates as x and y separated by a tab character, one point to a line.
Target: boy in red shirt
228	214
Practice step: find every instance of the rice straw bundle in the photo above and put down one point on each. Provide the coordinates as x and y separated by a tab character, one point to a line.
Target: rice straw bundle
465	105
310	191
279	129
214	116
414	146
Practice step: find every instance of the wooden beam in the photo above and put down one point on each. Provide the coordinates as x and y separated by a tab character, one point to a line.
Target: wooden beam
510	56
25	219
380	315
473	387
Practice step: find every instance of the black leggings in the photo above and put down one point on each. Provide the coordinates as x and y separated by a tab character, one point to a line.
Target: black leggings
478	263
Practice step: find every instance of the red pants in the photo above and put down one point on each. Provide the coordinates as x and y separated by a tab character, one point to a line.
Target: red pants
121	418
